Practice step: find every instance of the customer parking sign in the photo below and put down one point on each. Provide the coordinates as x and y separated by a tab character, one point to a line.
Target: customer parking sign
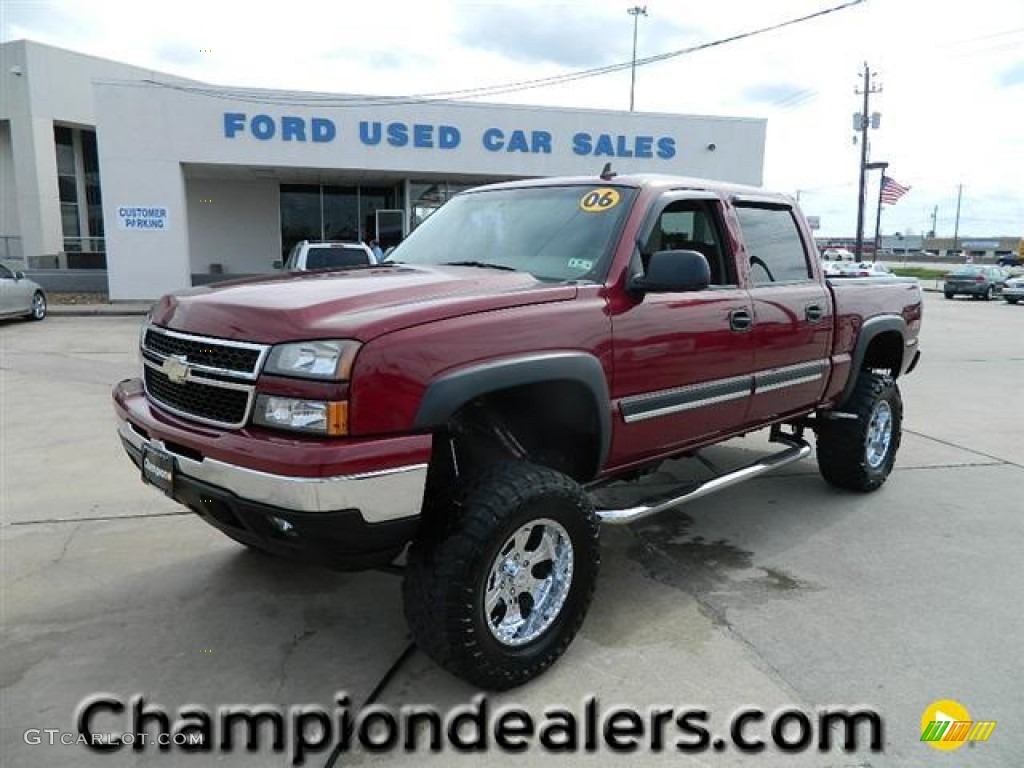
142	217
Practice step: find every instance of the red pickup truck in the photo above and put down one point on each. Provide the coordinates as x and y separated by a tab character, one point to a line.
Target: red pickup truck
528	343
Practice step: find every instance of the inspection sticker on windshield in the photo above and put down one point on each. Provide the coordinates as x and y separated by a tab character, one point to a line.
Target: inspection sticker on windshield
580	263
603	199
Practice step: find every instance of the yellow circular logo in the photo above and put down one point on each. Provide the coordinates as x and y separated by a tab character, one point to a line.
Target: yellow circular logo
944	724
602	199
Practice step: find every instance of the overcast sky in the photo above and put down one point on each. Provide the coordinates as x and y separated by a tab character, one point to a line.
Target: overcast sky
952	75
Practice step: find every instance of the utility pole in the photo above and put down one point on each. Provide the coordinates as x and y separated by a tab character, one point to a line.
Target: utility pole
865	120
935	216
636	11
956	227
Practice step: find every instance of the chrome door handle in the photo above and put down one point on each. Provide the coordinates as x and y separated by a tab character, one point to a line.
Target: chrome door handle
740	320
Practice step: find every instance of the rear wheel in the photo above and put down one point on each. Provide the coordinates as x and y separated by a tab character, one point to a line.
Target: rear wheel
859	454
987	295
1013	300
496	594
949	295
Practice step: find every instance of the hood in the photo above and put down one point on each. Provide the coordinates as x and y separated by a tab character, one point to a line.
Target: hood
352	304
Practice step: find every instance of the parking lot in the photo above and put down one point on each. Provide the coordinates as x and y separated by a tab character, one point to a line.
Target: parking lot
778	593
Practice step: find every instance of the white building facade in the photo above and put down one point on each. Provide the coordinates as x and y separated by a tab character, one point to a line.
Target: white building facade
169	183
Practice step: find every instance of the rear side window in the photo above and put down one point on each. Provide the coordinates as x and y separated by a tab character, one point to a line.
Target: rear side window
777	253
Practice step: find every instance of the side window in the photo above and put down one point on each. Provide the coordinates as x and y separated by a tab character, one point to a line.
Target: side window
691	225
5	273
777	253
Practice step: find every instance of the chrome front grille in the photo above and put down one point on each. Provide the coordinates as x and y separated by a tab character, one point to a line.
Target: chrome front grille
201	378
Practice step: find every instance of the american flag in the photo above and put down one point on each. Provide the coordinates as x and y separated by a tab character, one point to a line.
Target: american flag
892	190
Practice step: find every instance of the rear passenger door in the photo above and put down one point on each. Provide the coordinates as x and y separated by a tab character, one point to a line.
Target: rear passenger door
792	312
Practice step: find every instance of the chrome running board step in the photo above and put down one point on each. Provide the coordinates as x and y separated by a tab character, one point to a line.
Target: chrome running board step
798	449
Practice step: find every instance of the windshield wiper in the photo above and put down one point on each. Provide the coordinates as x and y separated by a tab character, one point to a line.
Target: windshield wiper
484	264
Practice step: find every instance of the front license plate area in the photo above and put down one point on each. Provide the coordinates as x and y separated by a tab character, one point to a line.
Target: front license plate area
158	469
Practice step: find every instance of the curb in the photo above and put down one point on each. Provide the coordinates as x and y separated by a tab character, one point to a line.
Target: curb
92	310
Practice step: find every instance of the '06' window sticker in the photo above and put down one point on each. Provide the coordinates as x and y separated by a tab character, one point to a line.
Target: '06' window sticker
598	200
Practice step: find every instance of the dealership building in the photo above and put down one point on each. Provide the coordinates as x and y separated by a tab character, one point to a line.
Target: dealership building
152	183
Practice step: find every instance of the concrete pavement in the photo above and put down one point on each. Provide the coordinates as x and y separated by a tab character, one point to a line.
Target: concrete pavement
778	593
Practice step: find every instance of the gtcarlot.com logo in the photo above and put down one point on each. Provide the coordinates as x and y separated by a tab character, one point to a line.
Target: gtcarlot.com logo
947	725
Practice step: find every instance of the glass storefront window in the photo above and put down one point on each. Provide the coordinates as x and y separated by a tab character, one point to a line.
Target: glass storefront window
93	197
326	212
300	215
341	214
81	206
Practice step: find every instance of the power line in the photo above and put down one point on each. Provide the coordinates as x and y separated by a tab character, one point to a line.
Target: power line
333	101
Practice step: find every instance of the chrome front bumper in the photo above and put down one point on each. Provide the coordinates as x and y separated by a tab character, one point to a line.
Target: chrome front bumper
381	496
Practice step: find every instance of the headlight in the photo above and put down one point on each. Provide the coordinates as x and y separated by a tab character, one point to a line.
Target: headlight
314	416
326	360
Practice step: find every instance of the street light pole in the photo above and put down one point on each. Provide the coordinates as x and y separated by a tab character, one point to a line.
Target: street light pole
636	11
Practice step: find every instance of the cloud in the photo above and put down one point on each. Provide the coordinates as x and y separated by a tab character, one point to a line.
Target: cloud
772	93
179	53
566	36
43	22
1012	75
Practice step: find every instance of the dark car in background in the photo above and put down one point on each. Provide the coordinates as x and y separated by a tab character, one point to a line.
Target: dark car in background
977	281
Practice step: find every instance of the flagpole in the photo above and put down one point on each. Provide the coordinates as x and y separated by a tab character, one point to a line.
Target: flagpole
878	216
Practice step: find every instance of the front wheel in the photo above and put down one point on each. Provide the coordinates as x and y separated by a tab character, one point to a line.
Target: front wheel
497	595
1012	301
859	454
949	295
987	295
37	310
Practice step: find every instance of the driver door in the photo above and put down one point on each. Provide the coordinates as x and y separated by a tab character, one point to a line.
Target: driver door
8	291
683	362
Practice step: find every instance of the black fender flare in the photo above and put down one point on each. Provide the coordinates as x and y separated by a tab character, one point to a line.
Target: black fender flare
872	327
447	394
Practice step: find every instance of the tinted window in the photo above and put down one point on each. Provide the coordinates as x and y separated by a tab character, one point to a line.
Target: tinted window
966	272
329	258
690	225
773	241
5	272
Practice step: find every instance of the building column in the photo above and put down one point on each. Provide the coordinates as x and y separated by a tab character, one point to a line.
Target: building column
35	175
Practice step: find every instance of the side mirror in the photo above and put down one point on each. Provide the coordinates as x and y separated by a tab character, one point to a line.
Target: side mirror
278	264
673	272
19	275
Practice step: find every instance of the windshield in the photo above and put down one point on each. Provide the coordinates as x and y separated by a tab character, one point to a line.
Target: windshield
554	233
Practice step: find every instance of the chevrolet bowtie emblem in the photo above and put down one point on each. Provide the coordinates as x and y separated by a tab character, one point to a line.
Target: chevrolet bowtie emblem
175	368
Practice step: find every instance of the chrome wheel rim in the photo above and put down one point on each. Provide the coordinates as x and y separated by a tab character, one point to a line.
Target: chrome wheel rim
528	582
38	306
879	435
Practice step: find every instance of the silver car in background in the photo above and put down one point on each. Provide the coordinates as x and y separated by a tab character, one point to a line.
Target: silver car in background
1013	291
20	297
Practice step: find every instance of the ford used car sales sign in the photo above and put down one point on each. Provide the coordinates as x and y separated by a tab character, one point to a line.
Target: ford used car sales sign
142	217
427	136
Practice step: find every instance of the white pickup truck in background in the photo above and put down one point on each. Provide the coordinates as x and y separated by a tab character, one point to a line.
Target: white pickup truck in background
307	254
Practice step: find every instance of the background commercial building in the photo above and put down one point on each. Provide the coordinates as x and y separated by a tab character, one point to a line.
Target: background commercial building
165	183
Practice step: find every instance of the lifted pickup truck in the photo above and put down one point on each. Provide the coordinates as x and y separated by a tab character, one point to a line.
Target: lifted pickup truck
527	343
